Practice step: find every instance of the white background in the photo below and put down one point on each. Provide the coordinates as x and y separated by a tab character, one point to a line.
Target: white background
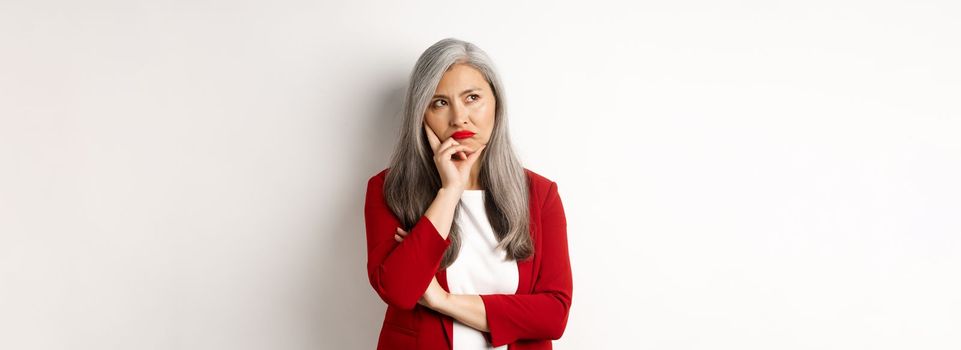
737	175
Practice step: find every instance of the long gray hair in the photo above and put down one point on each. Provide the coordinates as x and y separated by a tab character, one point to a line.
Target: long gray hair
413	180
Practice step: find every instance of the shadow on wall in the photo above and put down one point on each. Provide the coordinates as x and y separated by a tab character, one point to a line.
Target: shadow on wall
347	313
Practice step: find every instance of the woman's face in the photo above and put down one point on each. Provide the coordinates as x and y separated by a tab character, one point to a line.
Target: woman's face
463	101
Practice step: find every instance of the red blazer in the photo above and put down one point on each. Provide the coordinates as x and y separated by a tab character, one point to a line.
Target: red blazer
401	271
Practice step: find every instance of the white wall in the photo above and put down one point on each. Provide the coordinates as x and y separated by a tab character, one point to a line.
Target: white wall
741	175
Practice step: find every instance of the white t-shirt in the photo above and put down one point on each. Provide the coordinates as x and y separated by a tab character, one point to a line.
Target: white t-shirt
479	268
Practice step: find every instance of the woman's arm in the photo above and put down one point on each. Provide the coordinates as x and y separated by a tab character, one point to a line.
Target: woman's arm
509	317
465	308
441	210
400	271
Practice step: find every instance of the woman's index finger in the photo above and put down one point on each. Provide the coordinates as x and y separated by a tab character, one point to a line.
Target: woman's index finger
432	138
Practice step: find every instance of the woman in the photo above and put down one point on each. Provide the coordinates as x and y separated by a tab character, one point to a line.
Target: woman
466	246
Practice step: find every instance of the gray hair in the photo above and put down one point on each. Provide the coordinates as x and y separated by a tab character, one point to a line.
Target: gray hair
413	180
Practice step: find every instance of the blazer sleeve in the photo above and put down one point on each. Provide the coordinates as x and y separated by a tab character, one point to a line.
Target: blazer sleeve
543	313
399	271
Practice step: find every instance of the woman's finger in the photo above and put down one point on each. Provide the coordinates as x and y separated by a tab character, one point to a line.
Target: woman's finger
432	138
398	238
447	144
449	152
401	231
461	153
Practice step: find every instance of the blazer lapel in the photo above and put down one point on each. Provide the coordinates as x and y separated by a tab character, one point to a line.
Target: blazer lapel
448	322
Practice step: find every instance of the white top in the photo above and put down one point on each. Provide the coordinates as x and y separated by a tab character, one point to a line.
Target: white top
479	268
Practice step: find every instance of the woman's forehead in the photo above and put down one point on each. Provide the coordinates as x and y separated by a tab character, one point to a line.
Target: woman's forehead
460	79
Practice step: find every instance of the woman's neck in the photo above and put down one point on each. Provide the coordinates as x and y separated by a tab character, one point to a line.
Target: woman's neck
473	182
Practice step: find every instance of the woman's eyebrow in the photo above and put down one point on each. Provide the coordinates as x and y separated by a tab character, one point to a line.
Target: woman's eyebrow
471	89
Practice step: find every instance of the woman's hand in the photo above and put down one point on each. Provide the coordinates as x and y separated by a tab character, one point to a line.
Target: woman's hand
435	294
400	235
454	169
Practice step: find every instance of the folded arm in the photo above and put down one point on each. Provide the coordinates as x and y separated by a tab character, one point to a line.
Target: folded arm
540	315
400	272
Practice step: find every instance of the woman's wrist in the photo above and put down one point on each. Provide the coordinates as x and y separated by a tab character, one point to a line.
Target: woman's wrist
451	192
441	210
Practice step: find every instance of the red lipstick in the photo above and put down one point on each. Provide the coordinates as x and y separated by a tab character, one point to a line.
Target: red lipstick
462	135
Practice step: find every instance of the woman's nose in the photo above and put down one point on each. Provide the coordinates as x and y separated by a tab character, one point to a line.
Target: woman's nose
460	114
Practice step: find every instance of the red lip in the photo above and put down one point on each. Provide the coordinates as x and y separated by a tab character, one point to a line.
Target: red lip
462	135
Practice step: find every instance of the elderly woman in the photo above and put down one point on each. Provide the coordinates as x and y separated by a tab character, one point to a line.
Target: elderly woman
467	247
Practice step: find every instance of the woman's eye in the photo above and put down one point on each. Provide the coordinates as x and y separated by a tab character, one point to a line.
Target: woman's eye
474	95
438	103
